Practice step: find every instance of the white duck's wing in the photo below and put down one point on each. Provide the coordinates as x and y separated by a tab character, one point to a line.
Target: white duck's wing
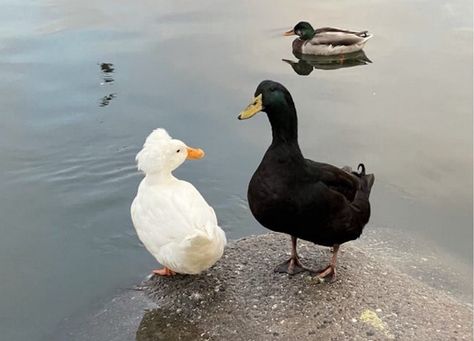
197	213
337	37
157	220
170	215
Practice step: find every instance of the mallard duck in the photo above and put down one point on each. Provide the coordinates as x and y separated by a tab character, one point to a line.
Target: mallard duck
173	221
327	40
306	199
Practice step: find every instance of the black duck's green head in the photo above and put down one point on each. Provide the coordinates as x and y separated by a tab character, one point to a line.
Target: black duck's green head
303	29
270	97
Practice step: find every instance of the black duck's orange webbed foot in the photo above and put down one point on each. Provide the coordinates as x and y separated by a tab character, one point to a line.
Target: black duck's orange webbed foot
329	272
292	266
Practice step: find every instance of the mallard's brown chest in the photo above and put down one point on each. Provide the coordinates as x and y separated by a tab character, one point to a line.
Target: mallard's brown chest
298	45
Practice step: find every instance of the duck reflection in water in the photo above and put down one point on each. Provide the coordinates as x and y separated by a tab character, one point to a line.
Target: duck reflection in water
306	63
107	71
104	101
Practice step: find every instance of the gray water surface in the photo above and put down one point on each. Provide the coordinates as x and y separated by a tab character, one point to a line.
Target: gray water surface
83	83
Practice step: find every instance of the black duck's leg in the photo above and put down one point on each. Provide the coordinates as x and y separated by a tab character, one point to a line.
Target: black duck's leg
330	270
291	266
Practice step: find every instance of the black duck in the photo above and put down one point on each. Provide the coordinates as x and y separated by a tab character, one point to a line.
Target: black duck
306	199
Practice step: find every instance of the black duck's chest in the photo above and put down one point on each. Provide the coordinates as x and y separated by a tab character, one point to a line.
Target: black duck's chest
272	191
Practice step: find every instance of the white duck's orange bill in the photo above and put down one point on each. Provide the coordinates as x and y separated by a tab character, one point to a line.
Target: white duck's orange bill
195	153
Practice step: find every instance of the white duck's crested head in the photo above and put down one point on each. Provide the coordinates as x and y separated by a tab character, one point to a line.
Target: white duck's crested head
161	153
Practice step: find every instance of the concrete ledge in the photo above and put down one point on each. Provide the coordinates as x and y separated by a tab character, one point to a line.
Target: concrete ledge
241	298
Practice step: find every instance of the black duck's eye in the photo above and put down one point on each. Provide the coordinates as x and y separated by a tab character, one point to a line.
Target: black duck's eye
178	150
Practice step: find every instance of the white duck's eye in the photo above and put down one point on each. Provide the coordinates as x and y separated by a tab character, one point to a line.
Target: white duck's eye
178	150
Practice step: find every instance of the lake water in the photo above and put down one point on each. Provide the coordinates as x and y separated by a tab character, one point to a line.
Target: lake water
83	83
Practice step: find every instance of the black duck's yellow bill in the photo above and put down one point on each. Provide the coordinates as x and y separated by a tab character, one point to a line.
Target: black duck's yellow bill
289	33
252	108
195	153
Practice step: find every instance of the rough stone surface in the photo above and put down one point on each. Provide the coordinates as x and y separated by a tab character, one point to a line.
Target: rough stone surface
241	298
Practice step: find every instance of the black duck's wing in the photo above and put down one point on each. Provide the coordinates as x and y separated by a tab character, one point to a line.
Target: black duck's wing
334	178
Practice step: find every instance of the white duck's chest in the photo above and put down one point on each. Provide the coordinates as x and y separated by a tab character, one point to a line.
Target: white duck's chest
176	205
174	197
173	191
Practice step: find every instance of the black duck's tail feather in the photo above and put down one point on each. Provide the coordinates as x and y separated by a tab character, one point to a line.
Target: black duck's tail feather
361	204
366	181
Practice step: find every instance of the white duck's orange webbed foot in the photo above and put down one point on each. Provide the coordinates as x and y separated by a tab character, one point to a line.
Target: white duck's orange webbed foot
164	272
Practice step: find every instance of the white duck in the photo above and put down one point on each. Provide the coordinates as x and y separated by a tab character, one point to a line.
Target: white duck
172	219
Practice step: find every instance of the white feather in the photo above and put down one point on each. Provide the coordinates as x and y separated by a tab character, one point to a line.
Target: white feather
172	219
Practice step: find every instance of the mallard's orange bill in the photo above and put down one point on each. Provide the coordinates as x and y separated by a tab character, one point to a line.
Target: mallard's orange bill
195	153
253	108
289	33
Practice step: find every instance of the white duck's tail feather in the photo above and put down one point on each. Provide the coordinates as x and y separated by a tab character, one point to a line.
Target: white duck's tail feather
195	253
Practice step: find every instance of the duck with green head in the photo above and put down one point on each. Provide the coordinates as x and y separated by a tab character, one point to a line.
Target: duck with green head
327	40
309	200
